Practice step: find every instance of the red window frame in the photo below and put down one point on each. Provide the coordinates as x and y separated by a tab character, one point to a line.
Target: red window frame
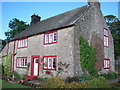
49	68
106	38
17	63
24	44
107	64
52	42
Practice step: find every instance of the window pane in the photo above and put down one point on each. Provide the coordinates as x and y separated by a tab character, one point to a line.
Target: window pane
45	63
54	63
107	64
50	38
25	62
106	42
25	42
17	62
54	37
20	62
46	38
105	32
49	62
18	44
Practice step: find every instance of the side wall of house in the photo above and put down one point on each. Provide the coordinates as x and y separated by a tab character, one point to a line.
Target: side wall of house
63	49
91	27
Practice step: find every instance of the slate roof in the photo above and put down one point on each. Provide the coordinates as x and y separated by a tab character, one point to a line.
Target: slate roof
61	20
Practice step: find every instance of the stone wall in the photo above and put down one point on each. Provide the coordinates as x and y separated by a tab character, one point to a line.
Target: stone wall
91	27
63	49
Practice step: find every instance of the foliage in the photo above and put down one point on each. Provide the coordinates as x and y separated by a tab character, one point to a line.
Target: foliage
6	64
100	82
41	79
1	68
110	75
16	26
76	85
114	26
87	57
72	79
56	82
83	78
2	44
53	82
116	85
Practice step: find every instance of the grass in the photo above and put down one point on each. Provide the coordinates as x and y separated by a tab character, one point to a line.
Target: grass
11	85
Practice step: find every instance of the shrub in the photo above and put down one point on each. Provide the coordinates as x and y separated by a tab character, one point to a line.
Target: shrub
53	82
110	75
100	82
87	57
41	79
85	77
82	78
72	79
6	64
77	85
0	68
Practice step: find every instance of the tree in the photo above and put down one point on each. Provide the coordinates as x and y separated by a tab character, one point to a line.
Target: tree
114	26
16	26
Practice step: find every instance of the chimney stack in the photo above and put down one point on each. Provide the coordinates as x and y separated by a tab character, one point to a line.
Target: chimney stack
94	2
34	19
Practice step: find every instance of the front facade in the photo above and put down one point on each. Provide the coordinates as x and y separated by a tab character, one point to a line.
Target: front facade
45	52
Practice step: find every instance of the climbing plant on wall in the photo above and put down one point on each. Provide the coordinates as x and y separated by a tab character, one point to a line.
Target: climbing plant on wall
87	56
6	64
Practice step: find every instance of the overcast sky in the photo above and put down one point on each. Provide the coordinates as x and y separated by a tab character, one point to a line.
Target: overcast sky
24	10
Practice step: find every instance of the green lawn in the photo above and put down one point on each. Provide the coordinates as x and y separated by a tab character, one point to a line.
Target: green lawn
11	85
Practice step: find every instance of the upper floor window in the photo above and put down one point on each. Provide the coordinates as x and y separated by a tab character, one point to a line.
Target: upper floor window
106	37
49	62
21	62
23	43
106	63
50	38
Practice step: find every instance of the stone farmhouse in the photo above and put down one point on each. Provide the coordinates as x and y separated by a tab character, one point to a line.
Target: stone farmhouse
39	49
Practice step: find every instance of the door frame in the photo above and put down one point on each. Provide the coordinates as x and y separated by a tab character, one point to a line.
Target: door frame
32	64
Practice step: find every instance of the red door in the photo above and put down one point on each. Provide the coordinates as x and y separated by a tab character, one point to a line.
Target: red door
35	65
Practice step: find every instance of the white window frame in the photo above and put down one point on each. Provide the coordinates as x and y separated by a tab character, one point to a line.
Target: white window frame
49	62
106	63
106	38
23	43
50	39
20	62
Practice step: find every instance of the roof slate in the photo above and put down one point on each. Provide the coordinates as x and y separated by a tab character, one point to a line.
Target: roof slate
61	20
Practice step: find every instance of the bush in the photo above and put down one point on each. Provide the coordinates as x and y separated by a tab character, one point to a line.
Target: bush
0	68
82	78
87	57
100	82
110	75
85	77
77	85
53	82
72	79
6	64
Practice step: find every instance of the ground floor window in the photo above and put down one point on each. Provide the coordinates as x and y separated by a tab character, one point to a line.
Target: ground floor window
106	63
49	62
21	62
